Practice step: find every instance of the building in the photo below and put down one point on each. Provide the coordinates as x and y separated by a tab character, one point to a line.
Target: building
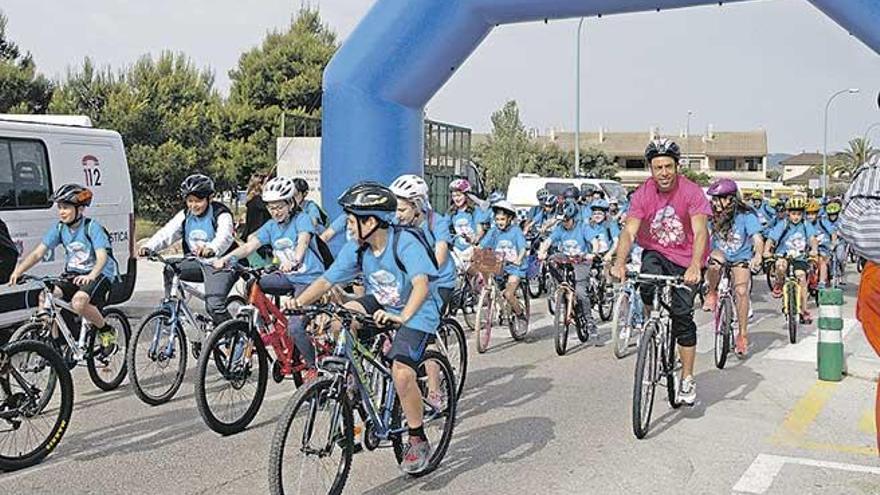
799	165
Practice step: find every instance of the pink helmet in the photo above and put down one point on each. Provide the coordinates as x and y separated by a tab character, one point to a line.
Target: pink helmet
722	187
460	185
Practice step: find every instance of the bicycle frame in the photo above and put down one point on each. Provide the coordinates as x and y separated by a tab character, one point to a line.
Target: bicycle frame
52	307
178	308
263	314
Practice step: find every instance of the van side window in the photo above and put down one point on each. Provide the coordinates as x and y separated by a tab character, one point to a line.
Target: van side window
24	174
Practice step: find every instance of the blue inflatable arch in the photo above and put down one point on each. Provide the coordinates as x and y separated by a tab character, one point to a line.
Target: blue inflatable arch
403	51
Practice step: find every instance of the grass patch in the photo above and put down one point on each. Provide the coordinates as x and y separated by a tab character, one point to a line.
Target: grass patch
145	228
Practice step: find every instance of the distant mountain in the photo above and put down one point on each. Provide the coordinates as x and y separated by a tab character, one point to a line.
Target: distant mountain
774	159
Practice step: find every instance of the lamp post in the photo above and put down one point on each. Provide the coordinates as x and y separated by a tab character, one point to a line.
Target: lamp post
825	143
687	138
868	131
577	104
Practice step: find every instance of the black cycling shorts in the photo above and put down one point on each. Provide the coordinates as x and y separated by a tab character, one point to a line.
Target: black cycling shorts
682	304
98	289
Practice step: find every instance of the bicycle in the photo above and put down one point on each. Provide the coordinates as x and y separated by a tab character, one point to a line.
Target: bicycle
657	352
452	343
628	317
725	315
237	351
464	296
791	290
160	343
492	304
355	377
600	291
30	429
568	309
104	357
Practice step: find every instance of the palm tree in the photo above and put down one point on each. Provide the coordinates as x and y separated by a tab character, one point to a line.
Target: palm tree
844	164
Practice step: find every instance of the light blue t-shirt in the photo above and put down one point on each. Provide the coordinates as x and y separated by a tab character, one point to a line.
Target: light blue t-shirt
384	280
340	226
570	242
464	225
79	253
311	209
825	229
797	237
199	230
543	216
509	244
738	245
603	233
484	216
283	239
438	232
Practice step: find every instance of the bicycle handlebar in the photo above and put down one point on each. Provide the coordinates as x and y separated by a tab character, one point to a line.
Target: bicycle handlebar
332	309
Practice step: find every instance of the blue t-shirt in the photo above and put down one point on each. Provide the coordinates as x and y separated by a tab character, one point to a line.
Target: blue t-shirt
340	226
543	217
484	216
199	230
384	280
766	214
602	234
311	209
509	244
464	225
570	242
283	239
797	237
824	230
738	245
438	232
79	253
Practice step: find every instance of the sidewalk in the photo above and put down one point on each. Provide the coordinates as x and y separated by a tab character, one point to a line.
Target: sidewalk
148	290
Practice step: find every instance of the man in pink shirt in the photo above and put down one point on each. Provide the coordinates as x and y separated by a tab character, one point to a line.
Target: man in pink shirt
668	217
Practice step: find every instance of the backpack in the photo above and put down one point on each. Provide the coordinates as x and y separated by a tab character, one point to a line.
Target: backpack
87	223
398	230
217	210
860	218
322	251
323	218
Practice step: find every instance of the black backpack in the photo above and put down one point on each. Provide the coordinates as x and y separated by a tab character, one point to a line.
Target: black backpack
217	209
87	224
321	250
398	230
323	218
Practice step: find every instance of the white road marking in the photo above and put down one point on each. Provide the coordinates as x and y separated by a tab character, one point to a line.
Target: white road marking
805	349
764	469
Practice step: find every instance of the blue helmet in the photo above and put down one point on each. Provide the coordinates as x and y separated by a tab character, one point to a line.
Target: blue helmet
600	204
549	200
570	210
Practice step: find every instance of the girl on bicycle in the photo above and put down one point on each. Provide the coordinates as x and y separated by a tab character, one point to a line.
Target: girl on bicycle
508	240
462	215
735	235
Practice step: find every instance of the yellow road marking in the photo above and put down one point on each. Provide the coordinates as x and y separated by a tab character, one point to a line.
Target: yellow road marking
806	411
868	424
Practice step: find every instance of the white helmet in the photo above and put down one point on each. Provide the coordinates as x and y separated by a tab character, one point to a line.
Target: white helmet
410	187
278	189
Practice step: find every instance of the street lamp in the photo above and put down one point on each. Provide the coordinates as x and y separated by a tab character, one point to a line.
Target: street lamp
577	105
687	139
868	131
825	144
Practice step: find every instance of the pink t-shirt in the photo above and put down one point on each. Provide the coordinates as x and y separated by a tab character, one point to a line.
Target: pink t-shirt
666	218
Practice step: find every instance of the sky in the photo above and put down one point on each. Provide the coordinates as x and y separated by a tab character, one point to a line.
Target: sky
768	64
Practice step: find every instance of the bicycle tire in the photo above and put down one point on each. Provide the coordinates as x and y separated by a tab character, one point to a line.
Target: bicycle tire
64	384
135	357
606	301
669	354
453	330
447	416
723	324
304	397
215	346
768	274
620	325
645	382
550	286
534	284
40	332
561	324
519	329
792	315
485	317
121	352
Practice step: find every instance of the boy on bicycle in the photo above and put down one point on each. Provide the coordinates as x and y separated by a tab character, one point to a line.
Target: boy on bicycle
736	239
826	230
403	297
601	232
507	240
793	237
89	268
569	239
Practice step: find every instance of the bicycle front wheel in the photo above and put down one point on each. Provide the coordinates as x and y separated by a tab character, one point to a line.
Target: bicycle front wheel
30	425
723	324
562	323
606	301
645	382
620	325
157	358
519	328
40	332
313	441
105	357
485	317
233	371
451	335
792	312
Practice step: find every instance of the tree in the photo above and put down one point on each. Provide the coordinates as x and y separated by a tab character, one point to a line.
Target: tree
596	164
505	154
701	178
22	89
843	165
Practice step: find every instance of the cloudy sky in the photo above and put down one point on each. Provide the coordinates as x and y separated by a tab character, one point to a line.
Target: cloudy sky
764	64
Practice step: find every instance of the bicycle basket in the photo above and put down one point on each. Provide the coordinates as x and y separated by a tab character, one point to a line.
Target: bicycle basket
486	261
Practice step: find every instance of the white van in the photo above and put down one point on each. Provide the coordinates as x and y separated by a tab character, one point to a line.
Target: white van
522	188
38	154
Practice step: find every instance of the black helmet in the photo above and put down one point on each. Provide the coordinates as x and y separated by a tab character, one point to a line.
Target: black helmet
571	192
301	185
549	200
369	199
662	147
73	194
200	186
570	210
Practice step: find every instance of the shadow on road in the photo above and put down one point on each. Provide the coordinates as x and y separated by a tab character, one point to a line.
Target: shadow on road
493	388
502	443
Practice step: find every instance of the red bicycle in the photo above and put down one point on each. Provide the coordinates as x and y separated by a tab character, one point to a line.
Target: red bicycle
233	368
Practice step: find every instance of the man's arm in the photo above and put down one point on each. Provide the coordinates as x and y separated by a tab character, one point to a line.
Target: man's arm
699	225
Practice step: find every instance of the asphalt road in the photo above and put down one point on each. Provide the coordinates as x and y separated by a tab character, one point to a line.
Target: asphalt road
529	422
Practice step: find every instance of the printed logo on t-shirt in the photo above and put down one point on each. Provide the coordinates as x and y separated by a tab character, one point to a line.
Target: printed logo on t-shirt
571	247
600	244
732	242
796	242
506	249
284	249
463	227
197	238
666	228
384	285
78	257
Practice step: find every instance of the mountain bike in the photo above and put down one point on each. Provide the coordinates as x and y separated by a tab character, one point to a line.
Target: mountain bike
492	306
314	440
75	339
31	426
569	311
157	355
657	351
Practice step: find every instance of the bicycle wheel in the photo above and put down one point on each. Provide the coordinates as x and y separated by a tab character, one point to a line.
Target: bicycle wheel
439	411
234	304
313	441
723	324
485	317
455	343
620	325
668	353
645	382
768	273
229	391
550	286
792	313
519	328
466	305
561	323
105	360
157	358
606	300
30	431
40	332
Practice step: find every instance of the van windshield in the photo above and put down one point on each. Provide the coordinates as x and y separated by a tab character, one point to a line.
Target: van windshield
557	188
614	190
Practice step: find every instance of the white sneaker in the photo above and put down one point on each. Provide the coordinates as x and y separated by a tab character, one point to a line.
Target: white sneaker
687	392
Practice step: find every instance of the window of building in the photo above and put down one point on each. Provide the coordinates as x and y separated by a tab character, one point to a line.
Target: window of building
24	174
754	164
725	165
635	165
